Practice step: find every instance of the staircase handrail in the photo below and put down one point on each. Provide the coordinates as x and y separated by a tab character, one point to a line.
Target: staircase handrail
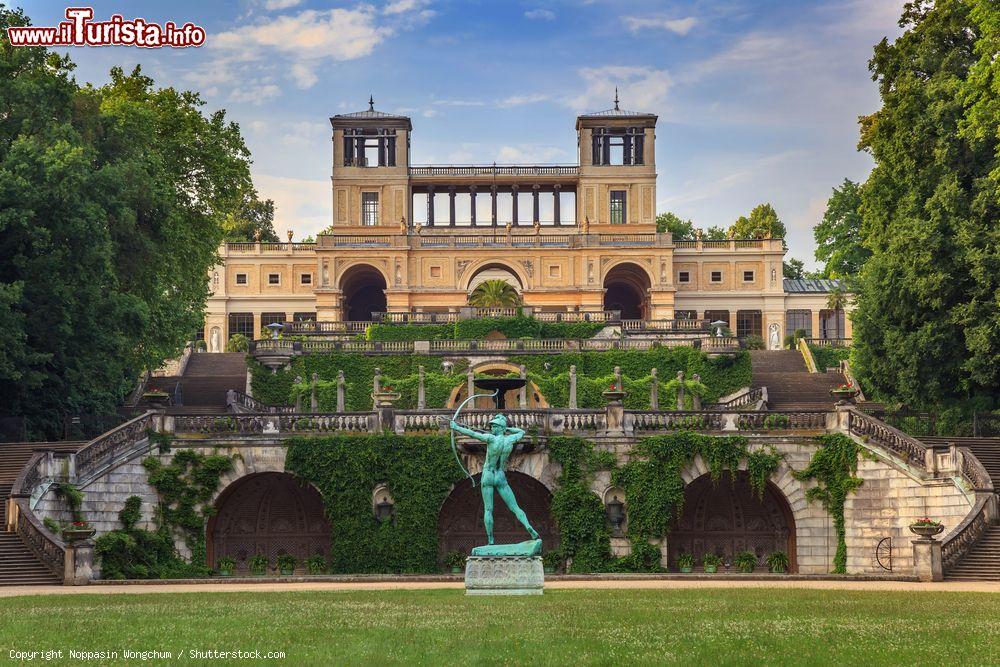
746	396
956	545
807	355
48	548
106	448
909	448
845	370
240	401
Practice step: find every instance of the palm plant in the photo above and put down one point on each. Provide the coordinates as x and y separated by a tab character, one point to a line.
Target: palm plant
494	293
837	302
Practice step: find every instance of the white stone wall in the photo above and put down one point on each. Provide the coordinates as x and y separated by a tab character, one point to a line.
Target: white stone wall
886	503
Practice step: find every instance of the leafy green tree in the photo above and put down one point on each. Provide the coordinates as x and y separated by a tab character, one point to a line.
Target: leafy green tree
252	220
793	268
715	233
927	316
838	236
762	223
112	201
679	229
494	293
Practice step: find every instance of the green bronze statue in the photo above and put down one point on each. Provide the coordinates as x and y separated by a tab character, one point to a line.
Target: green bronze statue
500	443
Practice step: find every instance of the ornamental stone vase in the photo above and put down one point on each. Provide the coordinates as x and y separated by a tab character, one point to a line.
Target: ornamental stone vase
926	531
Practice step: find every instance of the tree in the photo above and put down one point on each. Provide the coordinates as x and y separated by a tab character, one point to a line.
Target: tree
793	268
838	236
679	229
763	223
252	220
111	208
494	293
715	233
926	319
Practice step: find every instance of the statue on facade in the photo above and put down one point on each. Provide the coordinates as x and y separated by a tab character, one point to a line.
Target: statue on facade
500	443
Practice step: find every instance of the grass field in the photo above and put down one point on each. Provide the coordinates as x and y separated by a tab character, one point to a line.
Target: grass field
564	627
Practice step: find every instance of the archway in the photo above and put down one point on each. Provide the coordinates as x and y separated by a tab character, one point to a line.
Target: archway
363	287
727	516
534	398
460	521
626	288
268	513
494	271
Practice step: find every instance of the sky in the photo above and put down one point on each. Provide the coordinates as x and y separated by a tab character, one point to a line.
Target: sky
758	100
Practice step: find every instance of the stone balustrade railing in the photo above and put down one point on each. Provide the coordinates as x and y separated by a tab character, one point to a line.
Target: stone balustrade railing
47	547
749	397
106	449
957	543
673	326
871	429
241	402
274	423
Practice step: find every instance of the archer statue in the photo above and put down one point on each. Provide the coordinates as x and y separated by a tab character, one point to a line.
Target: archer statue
500	443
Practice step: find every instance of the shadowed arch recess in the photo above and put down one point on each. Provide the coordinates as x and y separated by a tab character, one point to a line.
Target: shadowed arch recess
363	288
626	288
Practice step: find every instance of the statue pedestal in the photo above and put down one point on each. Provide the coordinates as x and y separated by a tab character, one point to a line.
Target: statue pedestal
504	575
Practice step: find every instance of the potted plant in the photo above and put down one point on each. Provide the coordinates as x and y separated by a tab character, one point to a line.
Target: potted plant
843	392
78	531
711	563
225	566
316	564
286	564
157	398
926	528
258	565
777	562
745	561
614	393
685	563
456	561
551	562
385	396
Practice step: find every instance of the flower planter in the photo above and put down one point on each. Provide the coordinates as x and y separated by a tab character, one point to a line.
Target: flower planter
777	570
711	569
257	574
926	531
549	570
77	534
613	395
385	399
843	394
285	572
225	573
689	569
455	569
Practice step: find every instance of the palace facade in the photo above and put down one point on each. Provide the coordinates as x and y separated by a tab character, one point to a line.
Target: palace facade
410	242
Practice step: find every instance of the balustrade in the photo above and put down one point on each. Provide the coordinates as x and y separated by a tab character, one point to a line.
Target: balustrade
104	450
866	427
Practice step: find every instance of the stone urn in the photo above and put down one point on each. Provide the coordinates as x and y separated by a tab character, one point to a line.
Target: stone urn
845	394
158	400
926	530
613	396
76	534
385	398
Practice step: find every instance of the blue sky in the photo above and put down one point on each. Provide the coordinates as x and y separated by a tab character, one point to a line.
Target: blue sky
758	100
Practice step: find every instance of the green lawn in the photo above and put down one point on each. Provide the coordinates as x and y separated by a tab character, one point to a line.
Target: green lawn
564	627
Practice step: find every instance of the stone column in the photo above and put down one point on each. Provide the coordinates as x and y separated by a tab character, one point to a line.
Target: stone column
470	387
522	394
513	205
556	214
927	560
430	205
421	398
493	204
535	212
654	391
696	400
298	396
451	206
472	205
79	563
340	391
572	387
313	401
680	390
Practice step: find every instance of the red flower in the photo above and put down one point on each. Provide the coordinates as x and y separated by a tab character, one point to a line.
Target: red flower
79	524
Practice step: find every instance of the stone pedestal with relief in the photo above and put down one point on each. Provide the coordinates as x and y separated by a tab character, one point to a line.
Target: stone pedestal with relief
504	575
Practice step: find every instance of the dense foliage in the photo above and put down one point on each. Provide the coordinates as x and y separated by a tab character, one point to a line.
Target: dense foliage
833	467
419	471
102	189
838	235
479	328
495	293
762	223
927	314
829	357
595	372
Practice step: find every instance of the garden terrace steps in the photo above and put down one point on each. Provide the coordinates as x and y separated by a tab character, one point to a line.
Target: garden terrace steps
982	562
209	376
987	450
790	386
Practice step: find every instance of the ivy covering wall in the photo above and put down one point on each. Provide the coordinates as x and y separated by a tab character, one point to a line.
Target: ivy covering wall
477	329
595	372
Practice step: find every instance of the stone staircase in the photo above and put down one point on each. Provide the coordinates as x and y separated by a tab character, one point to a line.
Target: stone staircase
208	377
982	563
790	386
18	564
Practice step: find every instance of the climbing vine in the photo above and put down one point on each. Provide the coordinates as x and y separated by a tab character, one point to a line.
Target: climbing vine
479	328
833	466
652	479
420	473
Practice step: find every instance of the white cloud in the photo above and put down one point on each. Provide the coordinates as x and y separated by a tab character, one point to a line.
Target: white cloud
677	26
302	205
255	94
460	103
540	14
404	6
639	88
272	5
303	75
531	154
520	100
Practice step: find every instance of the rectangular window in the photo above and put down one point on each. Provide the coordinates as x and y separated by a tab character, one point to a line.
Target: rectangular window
684	277
716	276
618	207
370	147
748	323
798	319
685	314
369	209
617	146
306	279
274	279
831	323
241	323
241	279
271	318
717	316
748	276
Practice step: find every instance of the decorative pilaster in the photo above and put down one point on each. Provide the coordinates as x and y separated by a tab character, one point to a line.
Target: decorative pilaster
654	391
421	399
340	391
572	387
